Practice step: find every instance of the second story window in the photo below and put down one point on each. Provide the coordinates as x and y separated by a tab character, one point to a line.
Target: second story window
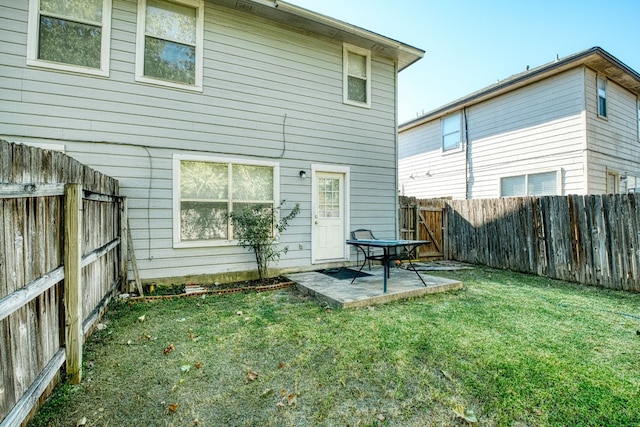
70	35
638	119
357	76
169	50
452	132
602	97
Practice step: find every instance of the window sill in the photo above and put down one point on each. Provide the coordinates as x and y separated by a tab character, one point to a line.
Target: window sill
172	85
357	104
204	244
75	69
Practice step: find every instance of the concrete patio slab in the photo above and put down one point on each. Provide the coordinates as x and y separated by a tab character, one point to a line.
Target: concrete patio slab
368	290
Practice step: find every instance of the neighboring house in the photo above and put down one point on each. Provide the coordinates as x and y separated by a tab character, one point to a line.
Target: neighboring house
567	127
202	107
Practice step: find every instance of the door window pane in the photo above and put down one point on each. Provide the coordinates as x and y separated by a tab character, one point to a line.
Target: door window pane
329	197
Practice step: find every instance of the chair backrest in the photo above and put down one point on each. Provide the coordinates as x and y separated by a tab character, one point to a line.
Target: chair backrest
362	234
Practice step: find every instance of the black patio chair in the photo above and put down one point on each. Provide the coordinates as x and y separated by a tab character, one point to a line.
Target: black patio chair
365	234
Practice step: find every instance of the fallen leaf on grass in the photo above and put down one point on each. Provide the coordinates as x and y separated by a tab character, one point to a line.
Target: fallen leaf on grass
466	414
267	392
381	417
280	405
252	375
169	349
141	318
239	313
198	365
173	407
291	399
446	375
185	368
81	422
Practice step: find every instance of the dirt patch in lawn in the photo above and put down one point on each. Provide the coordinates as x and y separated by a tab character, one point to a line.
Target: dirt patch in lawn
194	289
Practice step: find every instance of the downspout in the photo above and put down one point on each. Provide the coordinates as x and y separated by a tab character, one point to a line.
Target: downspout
466	154
395	135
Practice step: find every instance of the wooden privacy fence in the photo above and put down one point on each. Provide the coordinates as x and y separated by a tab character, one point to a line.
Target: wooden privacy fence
61	261
422	220
592	239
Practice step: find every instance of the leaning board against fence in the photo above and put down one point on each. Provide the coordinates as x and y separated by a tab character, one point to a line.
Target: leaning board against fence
34	219
590	239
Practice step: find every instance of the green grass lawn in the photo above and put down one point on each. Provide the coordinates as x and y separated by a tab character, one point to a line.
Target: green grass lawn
509	350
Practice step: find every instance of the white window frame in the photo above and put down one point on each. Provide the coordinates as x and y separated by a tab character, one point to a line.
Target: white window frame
601	83
177	159
346	49
140	44
33	41
526	176
458	147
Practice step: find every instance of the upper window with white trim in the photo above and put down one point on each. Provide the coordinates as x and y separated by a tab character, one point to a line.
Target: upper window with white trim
169	45
452	132
206	190
70	35
533	184
602	97
357	76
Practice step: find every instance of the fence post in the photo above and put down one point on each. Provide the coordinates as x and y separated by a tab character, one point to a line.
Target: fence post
416	224
73	280
124	244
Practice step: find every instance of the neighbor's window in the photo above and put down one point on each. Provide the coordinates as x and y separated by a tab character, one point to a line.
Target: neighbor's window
452	132
602	97
70	35
170	37
638	119
536	184
206	191
357	76
613	183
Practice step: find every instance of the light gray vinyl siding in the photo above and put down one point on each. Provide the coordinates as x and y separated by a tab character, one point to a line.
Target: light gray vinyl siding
434	174
534	129
612	142
270	93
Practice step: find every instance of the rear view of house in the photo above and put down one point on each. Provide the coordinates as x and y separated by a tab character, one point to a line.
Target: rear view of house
200	108
567	127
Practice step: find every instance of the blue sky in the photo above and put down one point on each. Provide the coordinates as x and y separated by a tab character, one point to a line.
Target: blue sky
471	44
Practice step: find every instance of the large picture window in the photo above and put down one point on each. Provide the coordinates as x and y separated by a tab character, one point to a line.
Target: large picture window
357	76
207	190
170	35
535	184
70	35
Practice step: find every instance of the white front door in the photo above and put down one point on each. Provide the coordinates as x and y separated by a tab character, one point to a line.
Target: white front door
329	215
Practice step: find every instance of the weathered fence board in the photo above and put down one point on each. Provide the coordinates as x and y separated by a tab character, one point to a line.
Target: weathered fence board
592	239
32	271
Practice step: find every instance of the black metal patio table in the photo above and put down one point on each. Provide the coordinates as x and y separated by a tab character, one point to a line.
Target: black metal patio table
389	253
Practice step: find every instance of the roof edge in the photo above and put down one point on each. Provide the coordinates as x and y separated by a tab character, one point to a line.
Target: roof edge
519	80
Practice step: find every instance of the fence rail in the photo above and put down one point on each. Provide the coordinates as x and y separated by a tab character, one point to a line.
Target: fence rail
61	261
591	239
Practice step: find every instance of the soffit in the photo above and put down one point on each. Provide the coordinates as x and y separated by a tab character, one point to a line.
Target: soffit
314	23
